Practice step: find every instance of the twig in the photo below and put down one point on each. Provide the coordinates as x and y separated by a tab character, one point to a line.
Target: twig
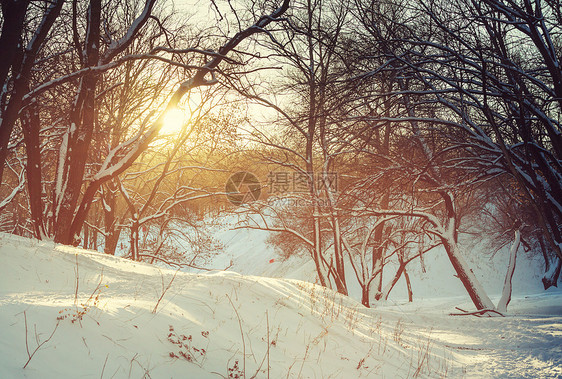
304	360
77	282
85	344
477	313
267	319
180	265
131	365
26	344
104	363
30	356
423	356
266	356
242	333
85	306
164	290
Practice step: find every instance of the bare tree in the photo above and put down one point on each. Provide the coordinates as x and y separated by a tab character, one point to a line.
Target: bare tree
306	151
22	40
99	45
495	68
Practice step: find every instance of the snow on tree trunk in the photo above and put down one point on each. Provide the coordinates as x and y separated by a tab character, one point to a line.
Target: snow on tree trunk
506	293
378	268
466	276
392	283
338	253
550	278
21	185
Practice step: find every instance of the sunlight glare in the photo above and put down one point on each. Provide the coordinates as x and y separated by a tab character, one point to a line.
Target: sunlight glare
174	120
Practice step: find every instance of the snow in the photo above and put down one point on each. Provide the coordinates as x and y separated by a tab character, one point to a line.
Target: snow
131	31
250	254
302	330
61	176
21	185
507	287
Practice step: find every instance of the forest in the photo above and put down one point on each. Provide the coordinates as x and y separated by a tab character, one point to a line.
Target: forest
367	132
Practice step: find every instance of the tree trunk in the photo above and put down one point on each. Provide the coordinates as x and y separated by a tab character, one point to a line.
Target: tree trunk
365	295
544	253
134	241
470	282
86	236
391	285
20	61
112	230
74	155
31	127
111	241
409	284
449	238
507	286
378	267
550	279
338	252
13	16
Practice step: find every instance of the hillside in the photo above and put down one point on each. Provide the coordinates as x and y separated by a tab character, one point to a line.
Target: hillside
100	312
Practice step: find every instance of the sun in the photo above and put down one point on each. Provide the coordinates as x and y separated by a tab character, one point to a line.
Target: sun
174	120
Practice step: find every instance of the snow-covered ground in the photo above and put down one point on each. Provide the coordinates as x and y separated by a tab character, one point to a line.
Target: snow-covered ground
107	317
249	254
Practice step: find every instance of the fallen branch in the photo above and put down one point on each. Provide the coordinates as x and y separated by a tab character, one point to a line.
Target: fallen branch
181	265
478	313
30	356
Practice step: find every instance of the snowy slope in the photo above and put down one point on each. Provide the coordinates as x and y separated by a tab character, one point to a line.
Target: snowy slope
223	324
249	254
